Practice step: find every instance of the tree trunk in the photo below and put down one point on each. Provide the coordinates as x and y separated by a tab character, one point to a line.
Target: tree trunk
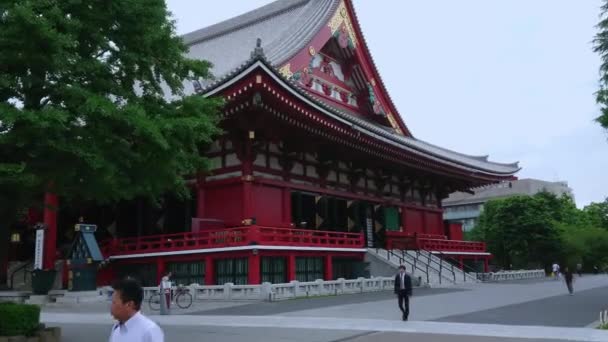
4	246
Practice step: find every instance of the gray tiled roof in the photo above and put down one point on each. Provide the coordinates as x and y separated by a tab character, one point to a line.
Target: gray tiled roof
285	27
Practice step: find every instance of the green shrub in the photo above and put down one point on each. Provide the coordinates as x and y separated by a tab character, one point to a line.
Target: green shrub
19	319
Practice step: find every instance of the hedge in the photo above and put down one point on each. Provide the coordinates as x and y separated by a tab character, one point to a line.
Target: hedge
19	319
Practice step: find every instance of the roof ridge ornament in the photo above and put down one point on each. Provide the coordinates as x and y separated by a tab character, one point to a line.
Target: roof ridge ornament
258	52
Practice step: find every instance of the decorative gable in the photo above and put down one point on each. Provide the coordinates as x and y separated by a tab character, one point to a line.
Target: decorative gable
336	68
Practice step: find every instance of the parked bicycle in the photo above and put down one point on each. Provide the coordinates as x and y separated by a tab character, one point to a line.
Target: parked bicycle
181	297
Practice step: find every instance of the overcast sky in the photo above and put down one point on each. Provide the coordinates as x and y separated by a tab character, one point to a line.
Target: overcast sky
511	78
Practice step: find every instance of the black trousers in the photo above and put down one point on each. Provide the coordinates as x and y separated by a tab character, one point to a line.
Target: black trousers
404	302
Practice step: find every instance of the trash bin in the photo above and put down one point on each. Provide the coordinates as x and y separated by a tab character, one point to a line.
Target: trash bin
42	281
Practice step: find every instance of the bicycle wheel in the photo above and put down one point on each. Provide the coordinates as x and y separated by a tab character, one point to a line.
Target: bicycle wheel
184	300
154	302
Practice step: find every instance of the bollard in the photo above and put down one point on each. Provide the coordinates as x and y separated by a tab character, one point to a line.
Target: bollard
165	298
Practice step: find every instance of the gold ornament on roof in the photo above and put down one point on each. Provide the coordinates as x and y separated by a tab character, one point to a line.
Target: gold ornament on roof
286	71
394	123
341	17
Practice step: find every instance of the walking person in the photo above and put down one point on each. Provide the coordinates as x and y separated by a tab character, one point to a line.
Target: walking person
403	290
555	271
132	325
569	278
165	287
579	269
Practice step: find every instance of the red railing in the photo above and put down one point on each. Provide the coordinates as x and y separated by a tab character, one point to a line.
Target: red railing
231	237
440	243
451	245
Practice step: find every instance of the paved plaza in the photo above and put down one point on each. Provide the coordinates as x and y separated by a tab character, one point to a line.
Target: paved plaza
518	311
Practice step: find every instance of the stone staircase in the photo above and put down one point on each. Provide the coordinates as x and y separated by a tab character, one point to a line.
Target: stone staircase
21	274
22	278
457	275
431	269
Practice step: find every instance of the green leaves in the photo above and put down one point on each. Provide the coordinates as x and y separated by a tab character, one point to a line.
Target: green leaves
523	231
601	47
83	101
533	231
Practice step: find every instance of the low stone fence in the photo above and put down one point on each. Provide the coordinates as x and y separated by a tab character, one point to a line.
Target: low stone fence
294	289
512	275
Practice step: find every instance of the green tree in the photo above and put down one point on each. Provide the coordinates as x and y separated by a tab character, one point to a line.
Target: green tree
85	89
521	231
586	245
597	214
601	47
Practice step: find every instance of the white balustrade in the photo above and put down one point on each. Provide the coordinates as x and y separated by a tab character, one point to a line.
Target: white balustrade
513	275
294	289
297	289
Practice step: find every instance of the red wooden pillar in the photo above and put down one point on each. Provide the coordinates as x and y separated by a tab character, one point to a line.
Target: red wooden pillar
51	205
286	212
291	267
209	271
247	168
160	269
253	276
328	270
486	267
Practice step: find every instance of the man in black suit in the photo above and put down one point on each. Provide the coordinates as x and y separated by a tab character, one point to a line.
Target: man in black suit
403	290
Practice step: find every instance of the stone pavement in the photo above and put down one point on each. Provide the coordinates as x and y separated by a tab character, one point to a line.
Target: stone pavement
94	333
517	310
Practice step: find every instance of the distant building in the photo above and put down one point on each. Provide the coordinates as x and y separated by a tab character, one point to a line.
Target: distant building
465	208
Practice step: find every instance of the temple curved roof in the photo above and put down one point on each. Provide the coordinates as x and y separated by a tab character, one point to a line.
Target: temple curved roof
229	44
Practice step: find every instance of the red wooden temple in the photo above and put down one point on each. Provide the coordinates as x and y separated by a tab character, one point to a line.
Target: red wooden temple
315	166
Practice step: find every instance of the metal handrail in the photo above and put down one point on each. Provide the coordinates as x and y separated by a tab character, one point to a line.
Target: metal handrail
465	268
441	267
405	261
428	265
430	259
22	267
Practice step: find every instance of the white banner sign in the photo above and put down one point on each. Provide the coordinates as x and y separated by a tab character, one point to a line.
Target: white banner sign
39	250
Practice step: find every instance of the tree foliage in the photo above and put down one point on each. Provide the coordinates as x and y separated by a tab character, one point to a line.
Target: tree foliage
597	214
536	231
521	230
601	47
84	89
84	103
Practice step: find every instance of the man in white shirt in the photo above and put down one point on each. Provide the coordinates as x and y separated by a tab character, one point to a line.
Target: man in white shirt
132	326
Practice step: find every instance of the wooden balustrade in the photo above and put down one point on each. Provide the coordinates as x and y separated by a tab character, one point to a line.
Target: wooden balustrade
231	237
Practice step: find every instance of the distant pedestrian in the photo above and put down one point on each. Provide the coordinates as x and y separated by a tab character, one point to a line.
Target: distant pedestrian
403	290
579	269
555	268
569	278
165	287
132	326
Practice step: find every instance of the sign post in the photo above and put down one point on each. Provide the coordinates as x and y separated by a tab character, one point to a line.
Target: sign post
39	249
